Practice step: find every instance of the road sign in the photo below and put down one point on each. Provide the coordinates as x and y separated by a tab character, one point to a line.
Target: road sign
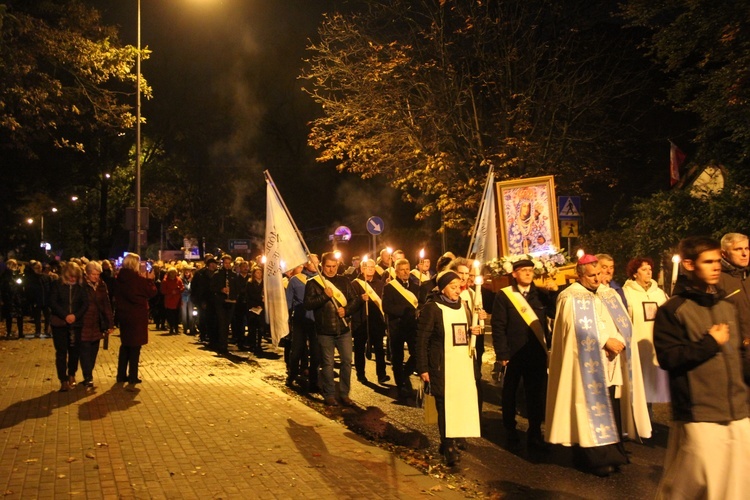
239	245
569	206
569	228
375	225
342	233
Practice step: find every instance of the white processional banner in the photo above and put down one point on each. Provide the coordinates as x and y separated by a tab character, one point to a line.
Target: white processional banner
283	250
485	239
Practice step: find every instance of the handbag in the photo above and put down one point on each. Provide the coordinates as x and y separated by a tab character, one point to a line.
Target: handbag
430	408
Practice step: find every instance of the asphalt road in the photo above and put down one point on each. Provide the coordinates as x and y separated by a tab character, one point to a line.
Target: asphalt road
487	468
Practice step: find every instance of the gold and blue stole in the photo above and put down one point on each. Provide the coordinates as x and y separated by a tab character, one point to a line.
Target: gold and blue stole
599	411
624	326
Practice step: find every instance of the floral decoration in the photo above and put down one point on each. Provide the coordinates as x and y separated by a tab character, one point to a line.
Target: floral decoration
545	265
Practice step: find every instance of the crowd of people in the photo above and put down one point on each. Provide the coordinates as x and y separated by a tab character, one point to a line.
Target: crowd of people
593	356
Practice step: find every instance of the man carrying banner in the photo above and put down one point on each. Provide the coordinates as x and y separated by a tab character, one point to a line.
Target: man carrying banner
595	392
332	298
368	324
521	336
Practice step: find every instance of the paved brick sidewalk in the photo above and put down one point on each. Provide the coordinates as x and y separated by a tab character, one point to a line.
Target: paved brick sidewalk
200	427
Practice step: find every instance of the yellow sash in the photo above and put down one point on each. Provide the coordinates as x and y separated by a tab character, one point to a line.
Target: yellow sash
422	277
527	313
379	270
410	297
371	293
340	297
302	277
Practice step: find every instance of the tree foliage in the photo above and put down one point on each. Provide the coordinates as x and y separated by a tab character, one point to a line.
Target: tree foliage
63	76
704	47
430	95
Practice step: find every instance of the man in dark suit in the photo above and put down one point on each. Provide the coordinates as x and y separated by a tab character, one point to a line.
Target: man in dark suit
520	335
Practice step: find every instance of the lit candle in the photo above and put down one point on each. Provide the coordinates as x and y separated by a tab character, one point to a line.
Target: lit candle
477	307
675	270
580	253
421	260
263	260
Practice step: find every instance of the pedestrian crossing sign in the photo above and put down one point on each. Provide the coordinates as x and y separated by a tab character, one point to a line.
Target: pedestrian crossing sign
569	206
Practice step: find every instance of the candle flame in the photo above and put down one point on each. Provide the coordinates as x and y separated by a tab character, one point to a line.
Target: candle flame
263	259
478	280
421	254
389	250
676	258
337	254
476	264
580	253
365	258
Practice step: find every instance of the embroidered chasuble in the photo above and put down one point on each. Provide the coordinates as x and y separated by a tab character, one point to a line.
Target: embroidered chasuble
461	402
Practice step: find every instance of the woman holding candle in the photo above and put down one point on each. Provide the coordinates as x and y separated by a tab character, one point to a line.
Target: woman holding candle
444	361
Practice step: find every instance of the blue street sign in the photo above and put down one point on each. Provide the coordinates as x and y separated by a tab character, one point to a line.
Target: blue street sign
569	206
375	225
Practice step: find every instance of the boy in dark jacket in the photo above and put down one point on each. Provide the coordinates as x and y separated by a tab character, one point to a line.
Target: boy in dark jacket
697	340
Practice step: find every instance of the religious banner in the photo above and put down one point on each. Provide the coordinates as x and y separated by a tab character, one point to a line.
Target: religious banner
283	250
528	216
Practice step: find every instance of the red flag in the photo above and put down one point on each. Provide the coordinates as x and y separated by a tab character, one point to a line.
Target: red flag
676	159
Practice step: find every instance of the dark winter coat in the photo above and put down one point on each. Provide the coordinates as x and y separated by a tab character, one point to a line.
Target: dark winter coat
98	316
705	379
509	330
327	320
68	299
132	294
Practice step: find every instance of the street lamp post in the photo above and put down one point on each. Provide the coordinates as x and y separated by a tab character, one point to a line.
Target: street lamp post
138	140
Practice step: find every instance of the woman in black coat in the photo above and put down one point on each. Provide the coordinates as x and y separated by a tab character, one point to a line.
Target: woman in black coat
68	302
444	362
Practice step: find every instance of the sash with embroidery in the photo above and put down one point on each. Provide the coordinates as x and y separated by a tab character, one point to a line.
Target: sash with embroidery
622	321
371	293
527	313
410	297
601	417
422	277
340	297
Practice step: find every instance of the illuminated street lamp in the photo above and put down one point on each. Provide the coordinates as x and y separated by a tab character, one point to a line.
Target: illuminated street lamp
138	140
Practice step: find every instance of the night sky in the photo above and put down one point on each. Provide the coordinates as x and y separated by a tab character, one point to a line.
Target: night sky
224	77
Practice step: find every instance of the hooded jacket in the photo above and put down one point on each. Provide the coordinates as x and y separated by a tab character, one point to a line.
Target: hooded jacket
705	379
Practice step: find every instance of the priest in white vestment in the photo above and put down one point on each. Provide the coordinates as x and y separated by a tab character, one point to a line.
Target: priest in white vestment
595	393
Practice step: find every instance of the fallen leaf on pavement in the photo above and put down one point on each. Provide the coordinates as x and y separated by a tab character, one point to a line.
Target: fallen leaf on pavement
90	454
281	461
32	460
71	459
